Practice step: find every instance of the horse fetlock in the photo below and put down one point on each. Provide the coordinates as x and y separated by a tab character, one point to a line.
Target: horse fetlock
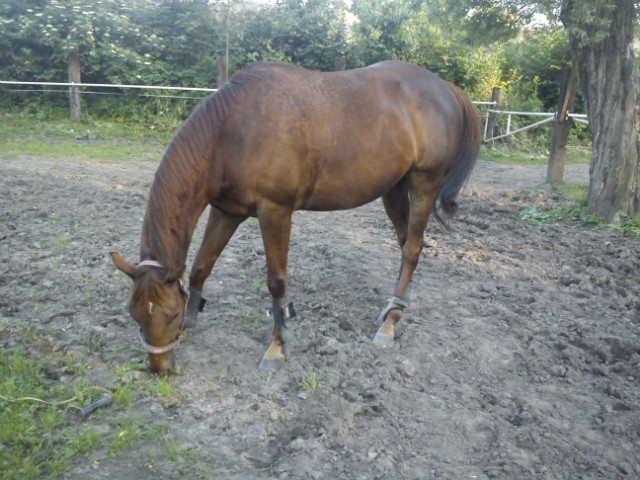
195	305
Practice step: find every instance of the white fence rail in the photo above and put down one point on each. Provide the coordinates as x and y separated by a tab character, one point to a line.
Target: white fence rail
580	118
106	85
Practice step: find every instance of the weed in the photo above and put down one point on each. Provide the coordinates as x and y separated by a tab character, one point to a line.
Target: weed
629	226
309	382
61	242
260	282
575	213
128	433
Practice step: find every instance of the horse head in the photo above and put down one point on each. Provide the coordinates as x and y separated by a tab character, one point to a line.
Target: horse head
158	303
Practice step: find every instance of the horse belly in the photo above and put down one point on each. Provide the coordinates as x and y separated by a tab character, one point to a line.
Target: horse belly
346	188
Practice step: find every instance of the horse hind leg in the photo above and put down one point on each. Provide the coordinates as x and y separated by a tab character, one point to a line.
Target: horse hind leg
275	225
219	230
422	190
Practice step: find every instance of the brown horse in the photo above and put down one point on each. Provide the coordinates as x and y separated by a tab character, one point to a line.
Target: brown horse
278	138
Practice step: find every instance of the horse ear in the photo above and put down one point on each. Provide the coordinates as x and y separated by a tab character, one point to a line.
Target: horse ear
122	265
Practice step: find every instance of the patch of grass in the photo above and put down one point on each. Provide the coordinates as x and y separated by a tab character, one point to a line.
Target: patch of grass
35	440
259	282
84	151
87	140
24	125
629	226
61	242
161	388
39	435
538	216
576	192
503	154
309	382
577	213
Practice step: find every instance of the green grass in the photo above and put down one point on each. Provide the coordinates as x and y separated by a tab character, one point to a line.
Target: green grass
24	125
503	154
41	436
96	150
87	140
309	382
35	439
575	211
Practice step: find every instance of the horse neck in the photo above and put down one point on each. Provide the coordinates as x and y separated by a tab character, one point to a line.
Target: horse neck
176	201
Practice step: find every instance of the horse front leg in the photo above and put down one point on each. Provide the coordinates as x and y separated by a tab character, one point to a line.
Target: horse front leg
219	230
275	226
422	191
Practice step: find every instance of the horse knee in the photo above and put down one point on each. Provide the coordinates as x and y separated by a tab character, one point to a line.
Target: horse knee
411	255
277	285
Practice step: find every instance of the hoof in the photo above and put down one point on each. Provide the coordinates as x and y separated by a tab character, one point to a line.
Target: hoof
270	364
383	340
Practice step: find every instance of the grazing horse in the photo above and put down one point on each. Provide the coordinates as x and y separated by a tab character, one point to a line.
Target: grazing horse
278	138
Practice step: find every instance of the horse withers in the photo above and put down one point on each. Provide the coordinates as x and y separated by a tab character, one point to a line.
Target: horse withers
278	138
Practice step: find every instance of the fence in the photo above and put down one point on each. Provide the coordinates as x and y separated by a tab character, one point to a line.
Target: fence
550	117
76	86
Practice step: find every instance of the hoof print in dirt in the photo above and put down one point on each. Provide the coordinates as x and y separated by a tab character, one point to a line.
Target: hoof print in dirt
383	340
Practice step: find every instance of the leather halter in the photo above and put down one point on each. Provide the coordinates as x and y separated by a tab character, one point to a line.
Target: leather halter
180	335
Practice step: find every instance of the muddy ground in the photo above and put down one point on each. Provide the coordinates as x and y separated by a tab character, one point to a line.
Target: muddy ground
519	356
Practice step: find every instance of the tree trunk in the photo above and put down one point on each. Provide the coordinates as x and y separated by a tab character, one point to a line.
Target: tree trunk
221	68
73	72
492	119
562	127
610	84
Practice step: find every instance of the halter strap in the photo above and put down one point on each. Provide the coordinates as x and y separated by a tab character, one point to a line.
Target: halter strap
160	350
181	334
150	263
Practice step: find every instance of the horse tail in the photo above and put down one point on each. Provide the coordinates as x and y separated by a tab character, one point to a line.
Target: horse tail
458	172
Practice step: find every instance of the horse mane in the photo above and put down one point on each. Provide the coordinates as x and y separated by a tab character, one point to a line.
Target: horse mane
181	168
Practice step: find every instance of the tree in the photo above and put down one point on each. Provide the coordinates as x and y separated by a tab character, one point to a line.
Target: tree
601	36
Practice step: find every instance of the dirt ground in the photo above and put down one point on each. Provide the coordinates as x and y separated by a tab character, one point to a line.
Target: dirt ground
519	356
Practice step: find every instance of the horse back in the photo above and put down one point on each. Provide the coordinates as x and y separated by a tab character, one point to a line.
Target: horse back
336	140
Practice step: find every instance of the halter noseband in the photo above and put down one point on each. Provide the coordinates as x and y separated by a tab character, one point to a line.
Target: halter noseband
180	336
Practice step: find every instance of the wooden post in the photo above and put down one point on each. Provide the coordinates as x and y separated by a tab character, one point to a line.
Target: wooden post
340	63
221	70
73	73
562	126
493	117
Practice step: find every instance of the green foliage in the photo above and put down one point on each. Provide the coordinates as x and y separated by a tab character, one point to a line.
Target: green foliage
628	225
539	56
573	213
576	212
476	44
34	441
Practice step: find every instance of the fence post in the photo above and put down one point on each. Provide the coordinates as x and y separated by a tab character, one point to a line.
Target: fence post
492	118
73	73
221	71
562	126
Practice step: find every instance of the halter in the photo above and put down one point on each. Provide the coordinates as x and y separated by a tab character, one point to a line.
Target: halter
180	335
